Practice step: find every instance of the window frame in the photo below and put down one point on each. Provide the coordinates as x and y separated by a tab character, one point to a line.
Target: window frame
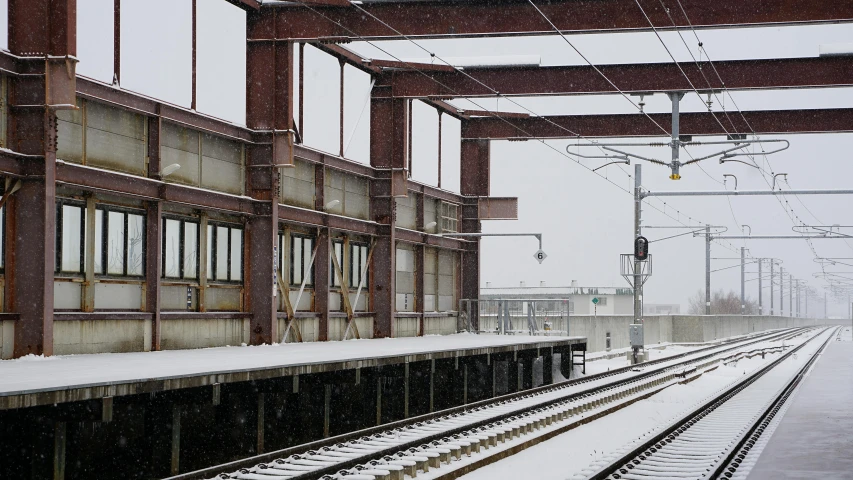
355	271
181	248
311	276
60	204
213	241
447	219
107	208
333	277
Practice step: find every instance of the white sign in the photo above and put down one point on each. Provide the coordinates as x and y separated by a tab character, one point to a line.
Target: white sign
540	256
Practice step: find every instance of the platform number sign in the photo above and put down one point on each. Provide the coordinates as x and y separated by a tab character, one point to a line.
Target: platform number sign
540	256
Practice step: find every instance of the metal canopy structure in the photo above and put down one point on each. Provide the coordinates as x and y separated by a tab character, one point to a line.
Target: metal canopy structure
42	82
479	18
816	72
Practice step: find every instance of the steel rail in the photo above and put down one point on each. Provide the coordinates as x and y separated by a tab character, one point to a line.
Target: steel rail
718	349
636	456
733	460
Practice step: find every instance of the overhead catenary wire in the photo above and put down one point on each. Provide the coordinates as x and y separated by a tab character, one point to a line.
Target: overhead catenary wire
483	108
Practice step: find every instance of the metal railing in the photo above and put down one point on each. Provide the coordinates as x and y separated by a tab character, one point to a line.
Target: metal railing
511	316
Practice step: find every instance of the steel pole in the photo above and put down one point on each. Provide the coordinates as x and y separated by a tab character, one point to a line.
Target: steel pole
707	269
781	291
790	295
638	280
771	287
760	289
742	281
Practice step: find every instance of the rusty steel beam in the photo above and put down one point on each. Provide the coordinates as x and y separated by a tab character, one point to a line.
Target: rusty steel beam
248	5
477	18
475	162
649	77
837	120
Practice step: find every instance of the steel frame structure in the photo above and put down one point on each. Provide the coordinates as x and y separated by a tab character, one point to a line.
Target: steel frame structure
42	80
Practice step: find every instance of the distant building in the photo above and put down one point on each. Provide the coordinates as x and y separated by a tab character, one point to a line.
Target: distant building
661	309
610	300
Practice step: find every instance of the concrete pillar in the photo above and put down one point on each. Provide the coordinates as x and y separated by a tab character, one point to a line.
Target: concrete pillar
261	422
176	440
527	373
59	437
513	380
548	368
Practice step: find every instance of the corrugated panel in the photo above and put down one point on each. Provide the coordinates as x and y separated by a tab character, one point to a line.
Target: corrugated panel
407	211
118	296
180	145
221	164
297	185
67	295
115	138
351	191
222	299
431	215
498	208
69	125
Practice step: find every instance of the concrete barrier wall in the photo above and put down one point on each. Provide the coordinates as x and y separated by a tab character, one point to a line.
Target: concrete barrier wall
202	333
670	328
98	336
102	336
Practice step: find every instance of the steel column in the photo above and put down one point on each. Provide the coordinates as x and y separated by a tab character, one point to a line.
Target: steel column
742	281
760	288
707	269
389	119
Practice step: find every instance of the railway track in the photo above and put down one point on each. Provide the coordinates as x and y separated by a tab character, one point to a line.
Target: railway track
404	448
712	441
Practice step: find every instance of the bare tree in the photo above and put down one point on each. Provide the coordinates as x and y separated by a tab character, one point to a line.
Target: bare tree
722	303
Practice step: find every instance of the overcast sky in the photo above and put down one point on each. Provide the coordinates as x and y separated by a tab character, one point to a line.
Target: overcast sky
586	220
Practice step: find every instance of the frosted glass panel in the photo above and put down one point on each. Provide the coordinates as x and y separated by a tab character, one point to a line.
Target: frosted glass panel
72	218
135	238
115	243
172	249
236	254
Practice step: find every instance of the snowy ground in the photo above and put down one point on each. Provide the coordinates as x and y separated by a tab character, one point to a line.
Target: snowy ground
573	451
33	373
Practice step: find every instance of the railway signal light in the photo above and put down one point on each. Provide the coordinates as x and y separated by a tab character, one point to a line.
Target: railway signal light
641	249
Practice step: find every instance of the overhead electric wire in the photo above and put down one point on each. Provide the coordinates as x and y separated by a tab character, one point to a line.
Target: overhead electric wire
495	114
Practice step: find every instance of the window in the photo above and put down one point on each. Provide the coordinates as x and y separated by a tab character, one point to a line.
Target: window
180	249
449	217
224	253
70	237
301	268
338	248
358	264
602	301
119	242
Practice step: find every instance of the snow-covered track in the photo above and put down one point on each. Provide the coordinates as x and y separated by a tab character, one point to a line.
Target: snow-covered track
402	448
711	441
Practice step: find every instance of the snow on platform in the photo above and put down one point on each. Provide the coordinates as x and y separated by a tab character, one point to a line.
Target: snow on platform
815	436
81	377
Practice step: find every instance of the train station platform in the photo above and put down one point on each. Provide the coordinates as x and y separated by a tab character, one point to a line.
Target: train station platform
33	381
813	440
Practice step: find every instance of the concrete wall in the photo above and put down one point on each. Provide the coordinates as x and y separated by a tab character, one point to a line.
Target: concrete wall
201	333
440	325
98	336
338	326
